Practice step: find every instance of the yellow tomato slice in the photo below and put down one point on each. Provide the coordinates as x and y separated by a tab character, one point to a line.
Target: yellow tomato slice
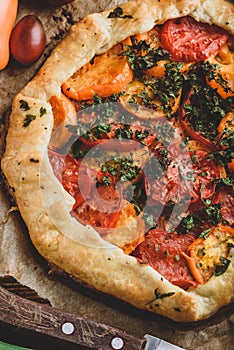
64	114
205	253
225	60
109	74
140	101
129	229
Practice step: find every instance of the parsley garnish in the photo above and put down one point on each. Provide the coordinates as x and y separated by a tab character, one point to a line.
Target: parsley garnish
149	220
200	218
24	105
205	233
220	269
123	168
206	107
162	295
28	119
42	111
167	88
139	60
118	13
124	132
226	154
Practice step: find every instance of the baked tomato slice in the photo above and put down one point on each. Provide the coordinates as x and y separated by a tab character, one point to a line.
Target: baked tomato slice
102	208
163	251
204	130
205	176
181	176
57	161
76	180
97	203
190	41
225	196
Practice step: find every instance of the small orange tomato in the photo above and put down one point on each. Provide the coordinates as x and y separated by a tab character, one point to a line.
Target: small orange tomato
7	18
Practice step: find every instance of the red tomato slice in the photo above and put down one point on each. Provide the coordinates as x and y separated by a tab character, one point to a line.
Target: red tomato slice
163	251
58	163
197	183
187	127
225	196
190	41
102	209
206	174
74	178
98	206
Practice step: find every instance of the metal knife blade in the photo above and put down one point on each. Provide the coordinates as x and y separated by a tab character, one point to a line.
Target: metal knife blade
153	343
74	329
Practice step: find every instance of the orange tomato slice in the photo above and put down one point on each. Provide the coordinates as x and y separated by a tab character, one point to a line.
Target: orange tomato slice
109	74
129	229
133	101
205	253
225	60
64	114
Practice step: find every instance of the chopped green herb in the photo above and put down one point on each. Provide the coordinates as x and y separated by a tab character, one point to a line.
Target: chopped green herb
220	269
124	132
166	252
149	220
199	265
42	111
162	295
206	107
140	62
123	168
106	180
167	88
28	119
201	251
204	234
118	13
228	181
24	105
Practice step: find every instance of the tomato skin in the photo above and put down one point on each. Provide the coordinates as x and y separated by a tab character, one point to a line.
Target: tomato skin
175	186
207	174
184	123
162	251
95	205
58	163
225	196
190	41
194	135
28	40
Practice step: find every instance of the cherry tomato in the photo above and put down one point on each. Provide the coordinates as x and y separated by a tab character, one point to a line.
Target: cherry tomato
28	40
190	41
57	2
162	251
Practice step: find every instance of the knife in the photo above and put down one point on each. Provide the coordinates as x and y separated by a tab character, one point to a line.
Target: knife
82	331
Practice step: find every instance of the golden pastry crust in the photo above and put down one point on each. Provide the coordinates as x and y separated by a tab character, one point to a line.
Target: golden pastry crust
44	204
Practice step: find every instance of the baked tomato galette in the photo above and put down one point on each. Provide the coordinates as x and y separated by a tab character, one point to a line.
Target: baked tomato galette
120	155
